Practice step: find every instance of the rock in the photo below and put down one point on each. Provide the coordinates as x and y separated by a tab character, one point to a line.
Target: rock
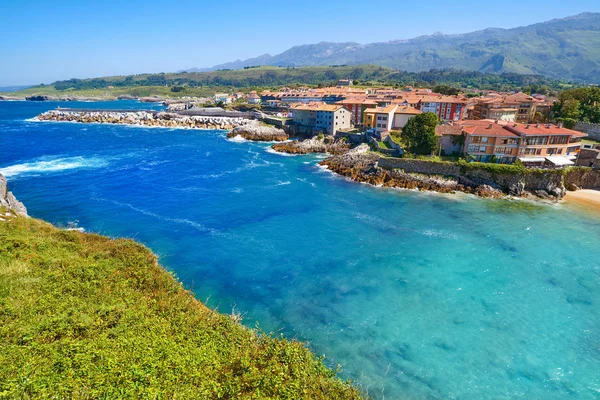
517	189
9	201
313	145
542	194
37	98
257	132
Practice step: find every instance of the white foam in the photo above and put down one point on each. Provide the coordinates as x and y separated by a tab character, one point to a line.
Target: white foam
55	165
279	153
237	139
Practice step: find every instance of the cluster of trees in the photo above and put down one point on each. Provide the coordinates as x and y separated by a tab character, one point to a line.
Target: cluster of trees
443	81
581	104
418	135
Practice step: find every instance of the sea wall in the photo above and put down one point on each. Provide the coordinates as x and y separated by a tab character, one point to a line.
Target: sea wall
542	183
420	166
9	201
591	129
144	118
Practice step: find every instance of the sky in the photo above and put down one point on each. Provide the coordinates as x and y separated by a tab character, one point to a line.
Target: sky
45	41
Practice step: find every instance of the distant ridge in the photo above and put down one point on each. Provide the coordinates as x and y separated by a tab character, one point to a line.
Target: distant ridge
13	88
566	48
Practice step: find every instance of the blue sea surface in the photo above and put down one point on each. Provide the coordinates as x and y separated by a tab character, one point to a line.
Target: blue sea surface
415	295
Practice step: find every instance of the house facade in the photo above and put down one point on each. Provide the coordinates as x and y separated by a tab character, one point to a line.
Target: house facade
320	117
531	144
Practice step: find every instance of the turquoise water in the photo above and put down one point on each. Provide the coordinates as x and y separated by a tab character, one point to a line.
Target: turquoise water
418	296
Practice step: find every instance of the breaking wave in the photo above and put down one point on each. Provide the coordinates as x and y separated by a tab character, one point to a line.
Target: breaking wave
53	165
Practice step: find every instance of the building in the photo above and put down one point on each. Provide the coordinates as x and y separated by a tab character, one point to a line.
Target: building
321	117
526	106
357	107
222	98
447	108
450	138
402	114
392	117
518	107
547	144
489	141
253	98
532	144
380	119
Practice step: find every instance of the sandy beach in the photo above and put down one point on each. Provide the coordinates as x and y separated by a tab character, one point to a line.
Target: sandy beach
587	199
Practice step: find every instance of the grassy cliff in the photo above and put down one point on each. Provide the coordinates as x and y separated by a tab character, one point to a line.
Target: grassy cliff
85	316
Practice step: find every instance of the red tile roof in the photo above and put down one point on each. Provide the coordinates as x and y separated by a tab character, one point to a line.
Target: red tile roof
542	129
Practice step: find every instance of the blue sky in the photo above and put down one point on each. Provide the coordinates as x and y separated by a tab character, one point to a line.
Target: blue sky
43	41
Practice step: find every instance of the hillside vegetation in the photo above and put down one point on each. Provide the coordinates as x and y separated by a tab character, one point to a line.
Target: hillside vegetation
566	49
207	83
83	316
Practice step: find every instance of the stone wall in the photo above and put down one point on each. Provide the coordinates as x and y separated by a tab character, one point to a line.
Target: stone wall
420	166
591	129
540	182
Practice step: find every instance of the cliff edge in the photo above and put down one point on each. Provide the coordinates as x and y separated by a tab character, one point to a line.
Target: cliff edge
9	201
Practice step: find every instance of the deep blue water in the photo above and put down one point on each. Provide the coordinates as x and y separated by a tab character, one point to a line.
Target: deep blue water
416	295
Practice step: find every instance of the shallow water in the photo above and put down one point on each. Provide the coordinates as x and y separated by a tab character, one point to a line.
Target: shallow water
416	295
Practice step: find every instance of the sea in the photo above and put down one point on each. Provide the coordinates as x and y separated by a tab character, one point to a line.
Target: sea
414	295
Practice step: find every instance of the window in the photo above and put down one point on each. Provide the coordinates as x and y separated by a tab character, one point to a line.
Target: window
482	149
484	139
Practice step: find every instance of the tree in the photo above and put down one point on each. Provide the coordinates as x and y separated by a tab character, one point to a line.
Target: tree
418	135
446	89
570	109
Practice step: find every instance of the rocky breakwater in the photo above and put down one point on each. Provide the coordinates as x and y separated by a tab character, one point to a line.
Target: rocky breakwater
313	145
360	165
144	118
8	203
258	132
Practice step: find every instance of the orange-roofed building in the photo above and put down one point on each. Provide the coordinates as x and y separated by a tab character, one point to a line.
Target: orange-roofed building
392	117
321	117
357	107
532	144
447	108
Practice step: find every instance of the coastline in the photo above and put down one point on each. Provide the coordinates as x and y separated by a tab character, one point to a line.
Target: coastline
584	200
116	288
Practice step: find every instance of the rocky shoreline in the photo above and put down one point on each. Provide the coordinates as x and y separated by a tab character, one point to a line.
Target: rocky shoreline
258	132
313	145
360	165
145	118
9	202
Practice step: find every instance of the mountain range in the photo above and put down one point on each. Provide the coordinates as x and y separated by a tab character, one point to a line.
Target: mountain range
566	48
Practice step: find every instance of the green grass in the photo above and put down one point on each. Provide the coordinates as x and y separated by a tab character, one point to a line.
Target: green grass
383	145
83	316
589	140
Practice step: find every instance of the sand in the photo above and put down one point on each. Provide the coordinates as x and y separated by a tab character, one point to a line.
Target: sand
586	199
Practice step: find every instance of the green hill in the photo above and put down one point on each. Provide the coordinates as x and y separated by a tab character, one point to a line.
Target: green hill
207	83
566	49
83	316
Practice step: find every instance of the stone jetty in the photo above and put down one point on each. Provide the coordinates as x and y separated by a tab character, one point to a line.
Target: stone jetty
144	118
